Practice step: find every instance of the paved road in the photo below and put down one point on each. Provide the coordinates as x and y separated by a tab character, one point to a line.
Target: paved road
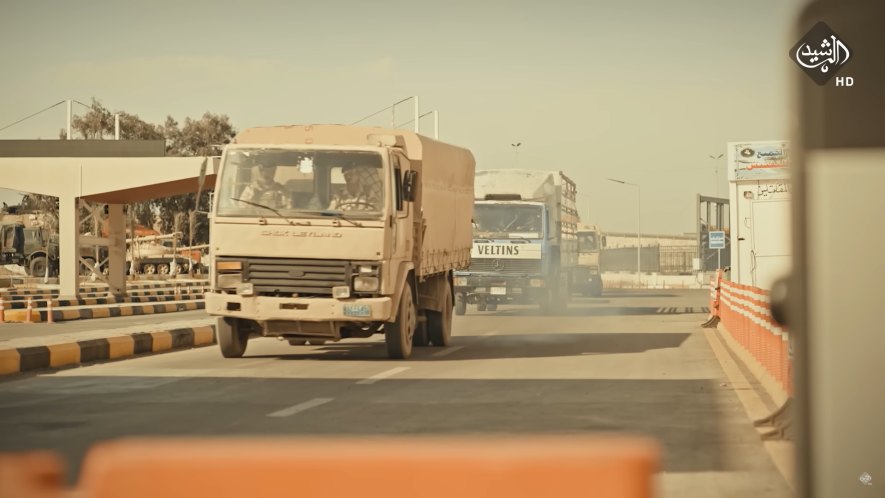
60	331
633	361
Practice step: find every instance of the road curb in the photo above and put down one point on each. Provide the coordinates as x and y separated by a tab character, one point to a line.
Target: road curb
63	315
19	360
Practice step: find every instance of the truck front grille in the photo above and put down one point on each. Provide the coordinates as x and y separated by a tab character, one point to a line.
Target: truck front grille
506	266
305	277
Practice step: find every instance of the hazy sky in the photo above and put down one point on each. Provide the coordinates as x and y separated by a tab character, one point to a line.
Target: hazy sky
641	91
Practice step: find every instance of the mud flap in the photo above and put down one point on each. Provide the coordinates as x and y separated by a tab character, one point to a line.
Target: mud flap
711	323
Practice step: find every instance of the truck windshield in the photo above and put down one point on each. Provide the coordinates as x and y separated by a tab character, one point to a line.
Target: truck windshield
312	182
587	242
507	221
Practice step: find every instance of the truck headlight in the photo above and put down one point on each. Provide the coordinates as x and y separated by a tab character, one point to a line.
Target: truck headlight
341	292
460	281
366	284
229	280
536	282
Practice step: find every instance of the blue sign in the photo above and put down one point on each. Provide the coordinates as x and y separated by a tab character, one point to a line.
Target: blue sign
717	240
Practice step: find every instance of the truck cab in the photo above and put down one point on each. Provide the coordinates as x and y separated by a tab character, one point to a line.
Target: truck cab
524	241
588	275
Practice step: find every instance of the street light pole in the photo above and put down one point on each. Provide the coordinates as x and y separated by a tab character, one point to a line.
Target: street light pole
638	229
717	171
516	151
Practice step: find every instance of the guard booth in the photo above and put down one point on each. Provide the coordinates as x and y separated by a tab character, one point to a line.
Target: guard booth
101	175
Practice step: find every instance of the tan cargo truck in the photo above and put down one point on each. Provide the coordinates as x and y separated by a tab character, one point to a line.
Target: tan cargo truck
327	232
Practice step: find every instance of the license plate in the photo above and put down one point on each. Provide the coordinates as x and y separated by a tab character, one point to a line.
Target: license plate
357	310
499	291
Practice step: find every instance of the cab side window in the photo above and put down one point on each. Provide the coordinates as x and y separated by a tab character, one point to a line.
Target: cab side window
398	181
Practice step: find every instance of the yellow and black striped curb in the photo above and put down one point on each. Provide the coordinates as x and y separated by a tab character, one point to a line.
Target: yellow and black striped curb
63	315
97	295
103	288
19	360
91	301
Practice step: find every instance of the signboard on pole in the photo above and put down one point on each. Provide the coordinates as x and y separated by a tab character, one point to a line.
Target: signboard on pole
717	240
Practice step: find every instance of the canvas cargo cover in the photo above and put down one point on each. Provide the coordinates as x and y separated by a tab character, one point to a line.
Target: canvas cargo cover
445	195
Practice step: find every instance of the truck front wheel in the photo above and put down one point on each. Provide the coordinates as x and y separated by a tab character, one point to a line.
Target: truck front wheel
398	334
232	337
37	267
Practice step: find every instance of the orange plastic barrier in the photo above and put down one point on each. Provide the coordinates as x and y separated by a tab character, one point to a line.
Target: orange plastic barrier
615	467
745	312
31	475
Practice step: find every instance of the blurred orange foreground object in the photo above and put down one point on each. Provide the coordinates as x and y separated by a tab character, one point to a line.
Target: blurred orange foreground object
31	475
561	467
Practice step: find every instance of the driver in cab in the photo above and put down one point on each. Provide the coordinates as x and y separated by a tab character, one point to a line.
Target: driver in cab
363	189
265	190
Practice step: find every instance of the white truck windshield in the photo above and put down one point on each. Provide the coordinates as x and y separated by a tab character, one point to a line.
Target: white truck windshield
507	221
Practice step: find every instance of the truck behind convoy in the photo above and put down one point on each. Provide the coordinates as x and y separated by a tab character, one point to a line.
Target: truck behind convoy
524	241
327	232
33	248
587	275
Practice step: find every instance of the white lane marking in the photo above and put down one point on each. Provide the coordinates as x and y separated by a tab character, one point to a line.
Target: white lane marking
300	407
448	351
383	375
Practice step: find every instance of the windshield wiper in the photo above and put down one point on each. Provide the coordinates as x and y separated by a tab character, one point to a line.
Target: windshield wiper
276	212
341	216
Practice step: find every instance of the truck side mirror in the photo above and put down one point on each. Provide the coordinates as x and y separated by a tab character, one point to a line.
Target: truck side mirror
604	242
410	184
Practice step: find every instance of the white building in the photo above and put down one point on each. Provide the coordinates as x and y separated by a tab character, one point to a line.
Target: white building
759	194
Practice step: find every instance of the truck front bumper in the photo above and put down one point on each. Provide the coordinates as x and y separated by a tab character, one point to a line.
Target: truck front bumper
296	309
499	287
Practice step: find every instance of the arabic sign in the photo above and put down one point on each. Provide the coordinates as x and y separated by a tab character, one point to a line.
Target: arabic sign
759	160
821	53
717	240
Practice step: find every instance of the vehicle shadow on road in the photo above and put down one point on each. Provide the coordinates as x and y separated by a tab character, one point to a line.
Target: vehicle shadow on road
503	346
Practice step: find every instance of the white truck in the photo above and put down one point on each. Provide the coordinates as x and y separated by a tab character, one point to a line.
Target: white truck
587	277
328	232
524	241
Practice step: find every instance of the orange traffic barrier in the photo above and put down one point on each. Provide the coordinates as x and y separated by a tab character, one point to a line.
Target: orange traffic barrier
32	475
616	467
746	315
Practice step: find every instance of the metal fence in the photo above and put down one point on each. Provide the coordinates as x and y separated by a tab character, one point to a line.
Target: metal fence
668	260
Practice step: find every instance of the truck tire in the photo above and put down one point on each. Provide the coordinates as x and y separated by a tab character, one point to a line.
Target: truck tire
37	268
420	338
398	334
439	323
149	269
460	304
232	337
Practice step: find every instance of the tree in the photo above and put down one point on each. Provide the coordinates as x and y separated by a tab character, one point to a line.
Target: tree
194	137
